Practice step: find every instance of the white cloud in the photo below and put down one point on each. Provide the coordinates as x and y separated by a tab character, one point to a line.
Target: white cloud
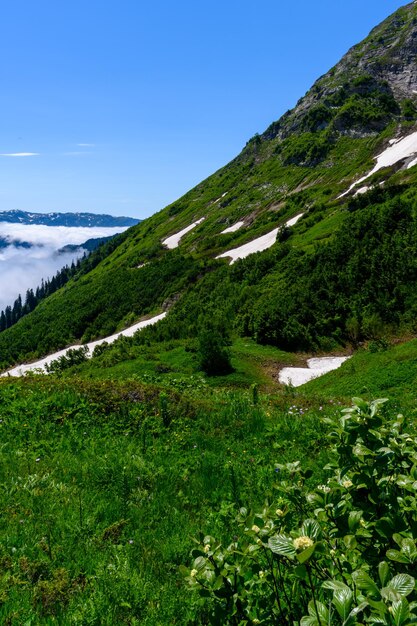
19	154
86	145
54	236
23	268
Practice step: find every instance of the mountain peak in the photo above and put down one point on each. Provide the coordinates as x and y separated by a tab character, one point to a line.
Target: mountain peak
373	84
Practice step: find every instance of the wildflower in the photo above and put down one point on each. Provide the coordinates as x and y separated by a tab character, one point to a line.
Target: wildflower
332	552
193	573
255	528
130	541
38	459
207	548
302	543
279	512
262	574
324	488
347	483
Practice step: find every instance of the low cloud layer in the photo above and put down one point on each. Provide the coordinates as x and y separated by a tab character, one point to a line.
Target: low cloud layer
23	268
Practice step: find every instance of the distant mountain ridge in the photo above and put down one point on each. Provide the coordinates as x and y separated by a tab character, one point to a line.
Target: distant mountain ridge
66	219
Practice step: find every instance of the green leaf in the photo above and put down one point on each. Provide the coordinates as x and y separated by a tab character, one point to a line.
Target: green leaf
354	520
342	600
365	582
376	404
400	612
279	544
399	557
409	549
361	451
311	528
322	612
384	573
402	583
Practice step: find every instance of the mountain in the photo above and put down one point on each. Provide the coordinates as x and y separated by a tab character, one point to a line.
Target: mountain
66	219
338	262
89	245
174	459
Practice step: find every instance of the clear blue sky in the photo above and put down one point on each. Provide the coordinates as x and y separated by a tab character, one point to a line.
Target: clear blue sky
129	104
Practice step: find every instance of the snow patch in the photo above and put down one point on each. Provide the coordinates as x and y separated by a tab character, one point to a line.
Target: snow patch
39	366
297	376
362	190
174	240
412	163
222	196
232	229
397	151
294	220
257	245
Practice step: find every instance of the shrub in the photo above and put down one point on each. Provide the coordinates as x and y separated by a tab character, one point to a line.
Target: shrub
214	354
342	553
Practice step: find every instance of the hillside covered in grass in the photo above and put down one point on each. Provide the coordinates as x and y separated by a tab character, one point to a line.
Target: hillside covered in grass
329	277
171	479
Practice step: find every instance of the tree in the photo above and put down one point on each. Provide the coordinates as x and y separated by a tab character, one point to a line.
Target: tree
214	353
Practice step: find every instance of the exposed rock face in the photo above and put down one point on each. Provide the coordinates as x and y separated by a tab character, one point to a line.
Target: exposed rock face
389	53
375	76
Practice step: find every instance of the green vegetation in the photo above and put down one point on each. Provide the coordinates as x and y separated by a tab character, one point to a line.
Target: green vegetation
105	483
342	552
374	371
110	466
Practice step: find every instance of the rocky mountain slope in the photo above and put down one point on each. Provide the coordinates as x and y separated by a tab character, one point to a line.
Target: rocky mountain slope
334	268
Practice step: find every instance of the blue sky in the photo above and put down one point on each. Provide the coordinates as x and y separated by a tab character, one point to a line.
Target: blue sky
126	105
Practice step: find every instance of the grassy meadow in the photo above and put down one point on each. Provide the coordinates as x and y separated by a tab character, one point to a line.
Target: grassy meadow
104	484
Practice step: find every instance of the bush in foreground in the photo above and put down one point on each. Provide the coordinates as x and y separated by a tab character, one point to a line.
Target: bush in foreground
341	553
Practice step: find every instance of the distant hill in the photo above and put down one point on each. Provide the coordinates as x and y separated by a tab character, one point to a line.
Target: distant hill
89	245
66	219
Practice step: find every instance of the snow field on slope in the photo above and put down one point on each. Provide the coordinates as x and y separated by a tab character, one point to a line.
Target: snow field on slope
297	376
20	370
257	245
396	151
174	240
232	229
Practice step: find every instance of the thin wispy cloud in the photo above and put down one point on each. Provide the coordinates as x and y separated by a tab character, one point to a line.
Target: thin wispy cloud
19	154
86	145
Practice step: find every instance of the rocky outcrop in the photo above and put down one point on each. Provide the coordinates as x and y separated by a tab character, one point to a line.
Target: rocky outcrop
374	83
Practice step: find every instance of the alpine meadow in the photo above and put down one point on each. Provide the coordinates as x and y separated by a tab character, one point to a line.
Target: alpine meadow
211	418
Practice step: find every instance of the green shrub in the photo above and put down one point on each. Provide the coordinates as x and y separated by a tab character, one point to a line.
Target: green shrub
341	553
214	354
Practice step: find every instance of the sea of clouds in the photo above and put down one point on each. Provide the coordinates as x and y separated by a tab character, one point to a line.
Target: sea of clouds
24	268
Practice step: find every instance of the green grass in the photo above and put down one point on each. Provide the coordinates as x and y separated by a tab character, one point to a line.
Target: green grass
391	373
100	500
175	364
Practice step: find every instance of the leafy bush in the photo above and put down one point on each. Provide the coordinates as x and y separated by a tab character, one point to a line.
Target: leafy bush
213	353
341	553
